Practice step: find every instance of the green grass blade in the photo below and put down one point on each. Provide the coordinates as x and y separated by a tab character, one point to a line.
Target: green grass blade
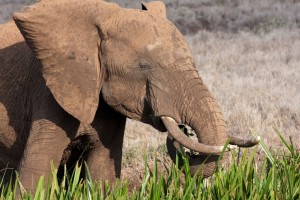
287	145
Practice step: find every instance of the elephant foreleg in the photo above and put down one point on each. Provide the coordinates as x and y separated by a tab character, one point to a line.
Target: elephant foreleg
105	158
47	140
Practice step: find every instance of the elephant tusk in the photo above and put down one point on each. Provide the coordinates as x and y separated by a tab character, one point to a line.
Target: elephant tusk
231	147
234	140
179	149
176	134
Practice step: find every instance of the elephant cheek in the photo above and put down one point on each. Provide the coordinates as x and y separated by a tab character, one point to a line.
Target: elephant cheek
113	93
124	99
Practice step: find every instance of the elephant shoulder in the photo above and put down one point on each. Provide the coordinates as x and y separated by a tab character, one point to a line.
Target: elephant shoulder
9	34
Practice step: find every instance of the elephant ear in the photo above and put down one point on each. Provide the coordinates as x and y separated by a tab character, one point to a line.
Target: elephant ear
155	7
65	36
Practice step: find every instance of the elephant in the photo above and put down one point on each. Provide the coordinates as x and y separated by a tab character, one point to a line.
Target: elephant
72	72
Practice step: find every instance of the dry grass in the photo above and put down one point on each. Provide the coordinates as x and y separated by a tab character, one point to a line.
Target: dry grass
228	15
255	77
213	15
9	6
234	15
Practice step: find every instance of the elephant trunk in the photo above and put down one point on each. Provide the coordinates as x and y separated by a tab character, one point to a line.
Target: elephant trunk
209	126
208	123
204	116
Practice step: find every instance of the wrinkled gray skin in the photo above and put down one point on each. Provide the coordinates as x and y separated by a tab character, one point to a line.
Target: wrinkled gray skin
84	67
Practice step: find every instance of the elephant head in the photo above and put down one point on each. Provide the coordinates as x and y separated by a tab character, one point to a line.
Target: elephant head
135	60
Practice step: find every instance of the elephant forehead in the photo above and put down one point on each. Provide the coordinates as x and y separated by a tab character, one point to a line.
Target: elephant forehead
149	35
141	27
164	45
154	45
169	52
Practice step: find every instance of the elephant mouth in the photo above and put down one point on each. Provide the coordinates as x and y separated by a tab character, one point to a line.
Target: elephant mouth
178	138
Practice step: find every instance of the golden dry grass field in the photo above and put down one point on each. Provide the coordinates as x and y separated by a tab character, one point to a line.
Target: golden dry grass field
248	54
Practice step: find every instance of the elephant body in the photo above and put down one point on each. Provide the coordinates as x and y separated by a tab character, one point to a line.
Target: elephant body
17	71
27	105
72	71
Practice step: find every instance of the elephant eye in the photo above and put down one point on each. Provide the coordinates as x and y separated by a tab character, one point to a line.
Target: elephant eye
144	63
144	66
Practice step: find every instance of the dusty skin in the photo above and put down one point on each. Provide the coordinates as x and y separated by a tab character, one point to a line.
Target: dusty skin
68	83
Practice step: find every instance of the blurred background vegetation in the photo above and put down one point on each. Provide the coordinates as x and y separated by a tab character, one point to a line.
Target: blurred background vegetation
191	16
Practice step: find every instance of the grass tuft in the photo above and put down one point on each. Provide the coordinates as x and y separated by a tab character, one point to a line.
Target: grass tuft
276	177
